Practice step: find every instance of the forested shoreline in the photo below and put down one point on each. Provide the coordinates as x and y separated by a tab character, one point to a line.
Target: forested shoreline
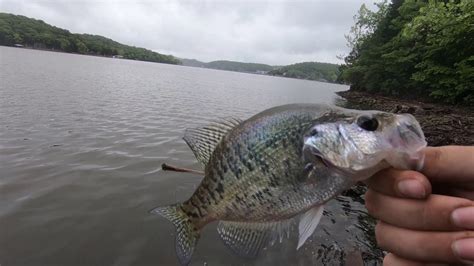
21	31
309	70
324	72
413	49
16	30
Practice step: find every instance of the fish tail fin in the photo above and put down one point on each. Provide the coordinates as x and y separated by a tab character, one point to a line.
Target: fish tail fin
187	234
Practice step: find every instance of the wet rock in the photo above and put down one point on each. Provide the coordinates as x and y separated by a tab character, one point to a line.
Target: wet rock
354	258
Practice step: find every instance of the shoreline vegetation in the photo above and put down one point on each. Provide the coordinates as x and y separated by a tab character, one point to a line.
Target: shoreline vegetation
21	31
413	49
24	32
415	57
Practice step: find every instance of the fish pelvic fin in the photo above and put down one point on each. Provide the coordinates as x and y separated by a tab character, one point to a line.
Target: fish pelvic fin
308	223
187	234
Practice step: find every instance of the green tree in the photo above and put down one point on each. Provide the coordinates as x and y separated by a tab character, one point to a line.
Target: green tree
443	34
81	47
309	70
37	34
413	48
17	38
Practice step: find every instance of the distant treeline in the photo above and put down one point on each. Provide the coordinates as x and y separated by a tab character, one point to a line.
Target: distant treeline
16	30
28	32
414	48
238	66
229	66
308	70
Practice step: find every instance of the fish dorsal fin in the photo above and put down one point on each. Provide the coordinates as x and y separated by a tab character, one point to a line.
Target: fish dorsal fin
308	223
247	239
204	140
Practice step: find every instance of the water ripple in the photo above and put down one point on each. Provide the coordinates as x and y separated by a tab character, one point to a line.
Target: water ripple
81	143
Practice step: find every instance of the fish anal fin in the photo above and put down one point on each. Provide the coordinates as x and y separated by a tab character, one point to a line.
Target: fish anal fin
187	234
203	140
247	239
308	223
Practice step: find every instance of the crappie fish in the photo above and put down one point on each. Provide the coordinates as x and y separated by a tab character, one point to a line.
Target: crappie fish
282	165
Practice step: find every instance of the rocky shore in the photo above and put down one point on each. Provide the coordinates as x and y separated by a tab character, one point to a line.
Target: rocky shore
442	124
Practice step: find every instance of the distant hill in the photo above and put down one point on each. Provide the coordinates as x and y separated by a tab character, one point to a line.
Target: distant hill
239	66
18	30
309	70
192	62
230	66
325	72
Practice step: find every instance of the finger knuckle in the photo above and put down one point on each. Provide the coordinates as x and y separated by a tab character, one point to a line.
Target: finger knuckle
379	235
371	202
465	234
425	216
437	157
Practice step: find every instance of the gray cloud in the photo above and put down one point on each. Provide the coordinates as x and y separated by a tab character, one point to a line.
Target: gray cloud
272	32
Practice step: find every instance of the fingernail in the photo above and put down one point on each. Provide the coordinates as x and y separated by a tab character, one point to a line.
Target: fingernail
463	217
464	249
412	188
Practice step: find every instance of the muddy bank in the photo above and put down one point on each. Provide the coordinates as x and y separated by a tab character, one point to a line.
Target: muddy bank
442	124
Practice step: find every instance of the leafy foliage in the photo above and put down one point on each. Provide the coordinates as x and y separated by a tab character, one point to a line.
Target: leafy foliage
309	70
414	48
37	34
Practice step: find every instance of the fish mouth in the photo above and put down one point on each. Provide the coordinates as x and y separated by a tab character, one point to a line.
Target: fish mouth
408	133
407	143
311	155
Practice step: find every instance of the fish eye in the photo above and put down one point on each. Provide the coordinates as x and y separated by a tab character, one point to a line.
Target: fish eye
368	123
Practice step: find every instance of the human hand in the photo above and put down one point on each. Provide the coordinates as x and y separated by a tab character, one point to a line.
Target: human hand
427	216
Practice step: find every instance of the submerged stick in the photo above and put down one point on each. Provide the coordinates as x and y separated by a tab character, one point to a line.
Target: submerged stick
168	167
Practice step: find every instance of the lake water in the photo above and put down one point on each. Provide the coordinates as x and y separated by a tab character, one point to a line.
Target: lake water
82	140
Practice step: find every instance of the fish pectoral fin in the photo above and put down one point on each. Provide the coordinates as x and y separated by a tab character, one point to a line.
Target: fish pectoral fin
308	223
247	239
204	140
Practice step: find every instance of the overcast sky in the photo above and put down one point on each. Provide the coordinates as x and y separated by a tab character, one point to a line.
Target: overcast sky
271	32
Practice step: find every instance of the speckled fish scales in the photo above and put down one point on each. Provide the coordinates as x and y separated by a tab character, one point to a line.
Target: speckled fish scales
257	180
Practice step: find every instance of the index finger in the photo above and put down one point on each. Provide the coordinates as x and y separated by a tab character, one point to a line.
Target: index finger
449	163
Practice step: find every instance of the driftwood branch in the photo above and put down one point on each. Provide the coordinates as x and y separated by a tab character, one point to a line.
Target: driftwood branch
168	167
